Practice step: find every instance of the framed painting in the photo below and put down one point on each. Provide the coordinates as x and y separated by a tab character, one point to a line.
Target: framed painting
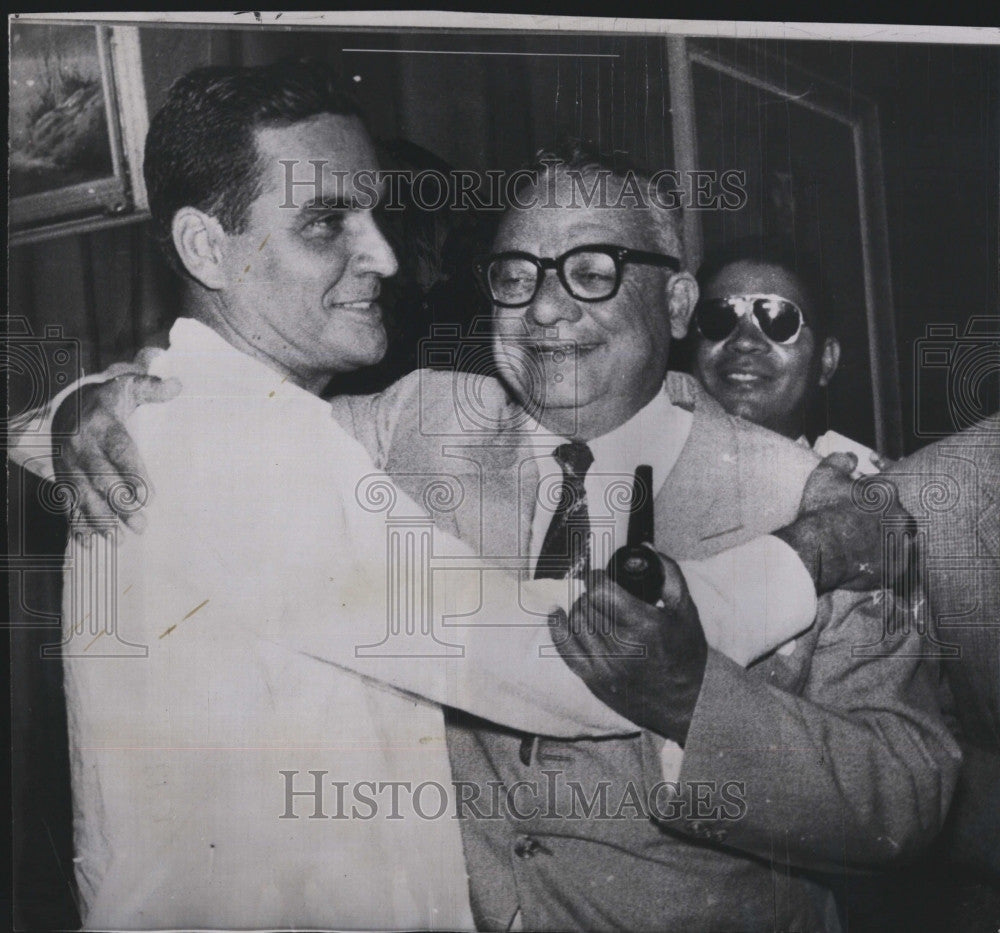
77	122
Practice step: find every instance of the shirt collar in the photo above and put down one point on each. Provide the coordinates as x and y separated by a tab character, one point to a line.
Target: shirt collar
657	431
208	364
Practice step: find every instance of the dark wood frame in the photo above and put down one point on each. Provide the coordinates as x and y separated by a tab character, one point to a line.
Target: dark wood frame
120	196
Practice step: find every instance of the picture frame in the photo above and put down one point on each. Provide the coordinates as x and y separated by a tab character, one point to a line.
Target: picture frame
78	121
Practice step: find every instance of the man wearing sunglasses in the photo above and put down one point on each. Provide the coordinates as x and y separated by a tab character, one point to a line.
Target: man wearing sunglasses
764	349
809	744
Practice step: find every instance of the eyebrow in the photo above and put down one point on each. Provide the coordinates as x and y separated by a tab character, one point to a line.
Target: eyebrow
327	204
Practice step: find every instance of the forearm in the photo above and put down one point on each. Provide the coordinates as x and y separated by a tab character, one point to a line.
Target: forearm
500	664
483	649
826	788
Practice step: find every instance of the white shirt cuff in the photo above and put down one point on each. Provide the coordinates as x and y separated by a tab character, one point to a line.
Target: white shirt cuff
752	598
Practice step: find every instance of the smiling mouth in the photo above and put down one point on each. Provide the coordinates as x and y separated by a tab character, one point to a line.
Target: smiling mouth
559	352
743	378
366	305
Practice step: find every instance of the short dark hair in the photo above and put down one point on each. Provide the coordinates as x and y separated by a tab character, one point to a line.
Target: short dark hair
200	150
785	254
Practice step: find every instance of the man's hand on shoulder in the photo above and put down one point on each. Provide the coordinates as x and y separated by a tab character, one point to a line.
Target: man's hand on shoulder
94	452
841	530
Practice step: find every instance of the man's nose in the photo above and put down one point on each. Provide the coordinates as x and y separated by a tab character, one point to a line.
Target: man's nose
372	250
552	303
748	337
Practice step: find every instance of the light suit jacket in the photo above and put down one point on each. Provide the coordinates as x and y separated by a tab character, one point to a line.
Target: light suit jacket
832	755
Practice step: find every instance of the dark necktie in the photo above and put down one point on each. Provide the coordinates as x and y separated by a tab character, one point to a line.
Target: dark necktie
566	549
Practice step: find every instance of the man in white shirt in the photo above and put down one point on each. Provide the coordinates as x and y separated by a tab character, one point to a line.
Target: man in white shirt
209	690
206	700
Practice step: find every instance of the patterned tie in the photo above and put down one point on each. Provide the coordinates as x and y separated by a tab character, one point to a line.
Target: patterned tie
566	549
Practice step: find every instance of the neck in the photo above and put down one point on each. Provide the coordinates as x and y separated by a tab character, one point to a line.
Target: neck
793	426
212	312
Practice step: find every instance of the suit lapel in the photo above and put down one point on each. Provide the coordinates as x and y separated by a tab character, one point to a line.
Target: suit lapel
509	481
499	474
700	500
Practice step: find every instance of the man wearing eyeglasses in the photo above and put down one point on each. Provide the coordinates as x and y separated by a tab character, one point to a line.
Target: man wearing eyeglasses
811	757
764	349
586	303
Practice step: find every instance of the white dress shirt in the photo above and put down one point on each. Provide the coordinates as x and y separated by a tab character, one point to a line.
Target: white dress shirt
199	666
831	442
257	511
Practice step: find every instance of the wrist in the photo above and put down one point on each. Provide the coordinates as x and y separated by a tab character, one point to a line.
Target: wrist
669	710
802	536
817	539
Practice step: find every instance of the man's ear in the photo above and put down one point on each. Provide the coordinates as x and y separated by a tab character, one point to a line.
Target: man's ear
682	296
200	242
829	360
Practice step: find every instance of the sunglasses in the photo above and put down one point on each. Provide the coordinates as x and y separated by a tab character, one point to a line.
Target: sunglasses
779	319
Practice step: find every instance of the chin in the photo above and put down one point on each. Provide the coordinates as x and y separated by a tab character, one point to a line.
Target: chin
359	355
742	406
568	394
372	355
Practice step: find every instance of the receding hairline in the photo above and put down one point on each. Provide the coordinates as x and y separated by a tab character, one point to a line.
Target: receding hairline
303	170
664	226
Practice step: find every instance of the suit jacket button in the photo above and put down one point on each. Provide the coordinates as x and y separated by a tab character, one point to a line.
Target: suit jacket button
526	847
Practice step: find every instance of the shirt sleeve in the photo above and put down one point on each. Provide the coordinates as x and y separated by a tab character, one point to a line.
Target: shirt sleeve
494	658
862	748
469	636
752	598
29	440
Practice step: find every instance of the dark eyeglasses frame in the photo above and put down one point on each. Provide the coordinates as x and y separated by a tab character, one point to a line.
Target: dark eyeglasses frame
619	254
750	300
